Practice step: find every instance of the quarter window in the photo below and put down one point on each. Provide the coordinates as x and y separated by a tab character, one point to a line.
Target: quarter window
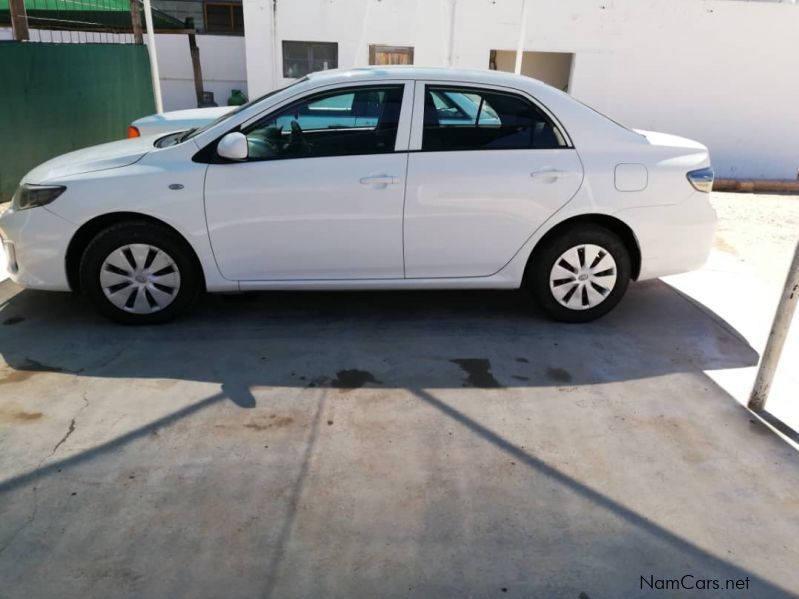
301	58
469	119
345	122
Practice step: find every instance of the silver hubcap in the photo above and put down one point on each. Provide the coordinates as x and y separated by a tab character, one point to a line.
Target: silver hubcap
583	277
140	278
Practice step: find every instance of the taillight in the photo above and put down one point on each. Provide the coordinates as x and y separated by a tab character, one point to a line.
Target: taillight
133	132
702	179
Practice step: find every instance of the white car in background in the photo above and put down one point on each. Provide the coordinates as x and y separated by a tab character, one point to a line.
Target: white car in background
373	178
176	120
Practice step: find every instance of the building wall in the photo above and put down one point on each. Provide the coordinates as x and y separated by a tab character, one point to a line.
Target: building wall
720	71
223	66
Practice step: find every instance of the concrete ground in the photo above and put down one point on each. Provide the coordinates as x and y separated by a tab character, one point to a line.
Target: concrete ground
388	445
742	283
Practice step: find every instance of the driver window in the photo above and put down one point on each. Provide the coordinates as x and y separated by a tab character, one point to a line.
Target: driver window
344	122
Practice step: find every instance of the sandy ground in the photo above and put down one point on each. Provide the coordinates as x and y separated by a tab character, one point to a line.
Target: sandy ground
760	230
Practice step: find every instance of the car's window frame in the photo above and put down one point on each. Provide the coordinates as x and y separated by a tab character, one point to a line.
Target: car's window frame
208	154
417	129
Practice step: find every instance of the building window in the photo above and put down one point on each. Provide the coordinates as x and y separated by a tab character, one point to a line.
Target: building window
223	17
380	55
301	58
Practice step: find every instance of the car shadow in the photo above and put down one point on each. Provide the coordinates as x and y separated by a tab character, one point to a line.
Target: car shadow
391	339
427	344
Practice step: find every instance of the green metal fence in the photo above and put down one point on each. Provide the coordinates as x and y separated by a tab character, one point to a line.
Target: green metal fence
59	97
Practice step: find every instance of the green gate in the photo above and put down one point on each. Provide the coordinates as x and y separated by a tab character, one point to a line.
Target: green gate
60	97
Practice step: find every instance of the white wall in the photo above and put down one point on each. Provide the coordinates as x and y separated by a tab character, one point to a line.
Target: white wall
353	24
223	66
721	71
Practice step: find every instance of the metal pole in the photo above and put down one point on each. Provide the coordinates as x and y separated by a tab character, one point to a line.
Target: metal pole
148	21
522	34
776	338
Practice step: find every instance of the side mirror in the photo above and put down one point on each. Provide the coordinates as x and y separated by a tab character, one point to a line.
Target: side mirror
233	146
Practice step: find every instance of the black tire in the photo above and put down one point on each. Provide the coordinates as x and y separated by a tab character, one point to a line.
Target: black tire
543	261
140	232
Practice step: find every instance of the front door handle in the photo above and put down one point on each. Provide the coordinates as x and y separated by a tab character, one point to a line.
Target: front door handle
548	175
379	180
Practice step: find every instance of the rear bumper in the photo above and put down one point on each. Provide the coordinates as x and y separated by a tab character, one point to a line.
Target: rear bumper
35	243
674	238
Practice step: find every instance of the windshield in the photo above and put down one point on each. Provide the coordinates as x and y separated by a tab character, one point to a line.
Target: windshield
200	130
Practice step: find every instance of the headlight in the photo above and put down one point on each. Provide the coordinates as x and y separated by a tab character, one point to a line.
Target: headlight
31	196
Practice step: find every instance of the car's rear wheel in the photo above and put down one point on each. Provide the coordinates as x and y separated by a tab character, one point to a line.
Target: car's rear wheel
139	273
580	274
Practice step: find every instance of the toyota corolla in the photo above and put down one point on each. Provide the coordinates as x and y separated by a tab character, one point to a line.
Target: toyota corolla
374	178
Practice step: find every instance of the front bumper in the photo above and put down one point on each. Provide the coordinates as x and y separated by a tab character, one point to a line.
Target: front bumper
35	242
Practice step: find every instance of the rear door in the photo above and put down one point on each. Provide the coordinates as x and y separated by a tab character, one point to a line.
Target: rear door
487	167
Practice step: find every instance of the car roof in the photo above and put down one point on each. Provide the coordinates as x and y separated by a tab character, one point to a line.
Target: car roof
435	73
574	117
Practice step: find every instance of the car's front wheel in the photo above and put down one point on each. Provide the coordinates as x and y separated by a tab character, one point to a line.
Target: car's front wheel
580	274
139	273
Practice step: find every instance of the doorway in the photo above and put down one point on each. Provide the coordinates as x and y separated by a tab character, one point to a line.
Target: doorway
553	68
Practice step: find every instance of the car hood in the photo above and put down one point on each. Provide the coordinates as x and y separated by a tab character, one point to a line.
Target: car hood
96	158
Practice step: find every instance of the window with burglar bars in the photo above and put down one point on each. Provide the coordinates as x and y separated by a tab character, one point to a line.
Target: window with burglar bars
301	58
224	17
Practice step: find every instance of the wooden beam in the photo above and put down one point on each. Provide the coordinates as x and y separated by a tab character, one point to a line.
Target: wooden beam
19	19
197	67
135	20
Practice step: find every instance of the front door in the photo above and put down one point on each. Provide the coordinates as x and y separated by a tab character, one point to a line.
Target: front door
321	193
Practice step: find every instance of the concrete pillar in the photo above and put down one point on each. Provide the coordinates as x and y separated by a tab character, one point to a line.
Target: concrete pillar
264	72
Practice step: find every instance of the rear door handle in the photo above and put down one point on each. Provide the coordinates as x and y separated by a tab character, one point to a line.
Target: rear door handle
549	174
379	180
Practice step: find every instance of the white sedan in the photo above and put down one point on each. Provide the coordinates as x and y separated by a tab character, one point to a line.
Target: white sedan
374	178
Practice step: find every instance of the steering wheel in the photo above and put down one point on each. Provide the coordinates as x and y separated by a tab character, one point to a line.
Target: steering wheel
298	143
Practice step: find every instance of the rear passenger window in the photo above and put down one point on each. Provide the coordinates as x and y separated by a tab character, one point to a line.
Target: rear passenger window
469	119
